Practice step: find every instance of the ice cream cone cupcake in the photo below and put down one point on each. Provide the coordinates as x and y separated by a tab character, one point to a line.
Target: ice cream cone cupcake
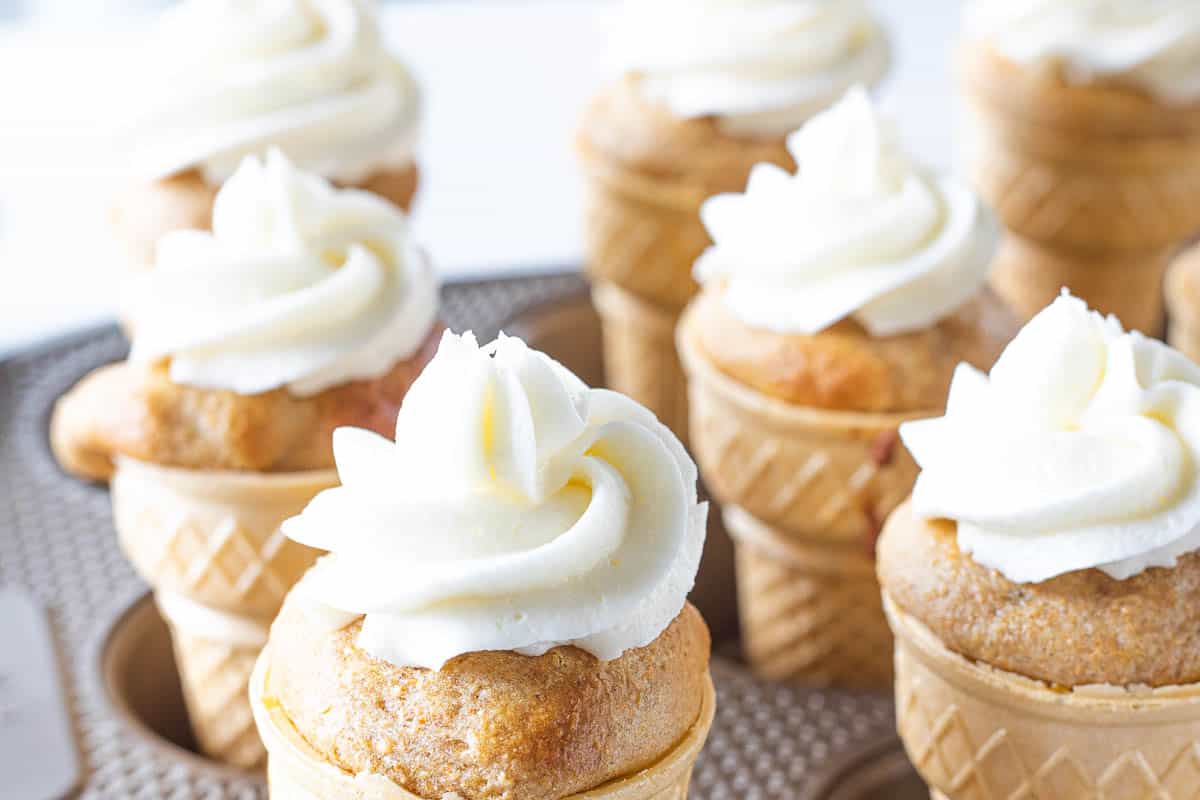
540	647
1085	137
710	90
220	81
1183	303
1042	583
836	303
305	308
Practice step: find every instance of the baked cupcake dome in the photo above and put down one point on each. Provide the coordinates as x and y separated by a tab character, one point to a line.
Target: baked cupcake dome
491	724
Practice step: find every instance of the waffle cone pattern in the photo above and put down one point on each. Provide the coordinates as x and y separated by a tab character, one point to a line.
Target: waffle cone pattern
810	610
297	772
215	674
1183	304
640	233
1028	276
816	474
978	733
1084	167
639	354
213	536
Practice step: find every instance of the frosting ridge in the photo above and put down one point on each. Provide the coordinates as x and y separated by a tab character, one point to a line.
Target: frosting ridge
1154	45
299	284
517	509
858	231
313	77
1080	450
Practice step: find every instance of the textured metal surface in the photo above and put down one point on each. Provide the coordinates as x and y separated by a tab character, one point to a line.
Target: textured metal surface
56	540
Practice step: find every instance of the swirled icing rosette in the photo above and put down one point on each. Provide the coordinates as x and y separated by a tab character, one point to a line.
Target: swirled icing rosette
1079	450
858	231
762	67
1155	45
299	284
516	509
229	78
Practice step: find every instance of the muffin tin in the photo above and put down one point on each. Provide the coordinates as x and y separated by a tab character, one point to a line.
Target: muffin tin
57	543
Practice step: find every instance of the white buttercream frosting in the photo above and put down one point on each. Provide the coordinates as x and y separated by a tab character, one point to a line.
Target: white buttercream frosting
762	66
230	78
517	509
299	284
1154	44
1079	450
857	231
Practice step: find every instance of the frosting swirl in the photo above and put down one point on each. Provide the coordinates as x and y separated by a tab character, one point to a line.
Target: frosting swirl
1079	450
298	285
313	77
1154	45
858	230
763	67
516	510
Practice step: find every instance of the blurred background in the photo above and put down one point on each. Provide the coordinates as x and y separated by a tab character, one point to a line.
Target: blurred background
505	83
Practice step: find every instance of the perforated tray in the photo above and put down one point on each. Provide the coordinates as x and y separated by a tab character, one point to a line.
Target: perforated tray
57	542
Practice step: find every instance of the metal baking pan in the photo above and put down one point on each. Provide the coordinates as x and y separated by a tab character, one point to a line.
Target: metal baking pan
57	543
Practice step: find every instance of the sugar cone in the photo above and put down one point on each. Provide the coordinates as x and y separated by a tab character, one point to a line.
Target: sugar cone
1090	167
295	770
209	543
816	474
643	234
213	536
976	732
639	354
1183	303
1129	284
215	655
809	609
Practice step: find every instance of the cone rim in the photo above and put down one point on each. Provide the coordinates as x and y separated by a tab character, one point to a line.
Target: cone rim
1094	704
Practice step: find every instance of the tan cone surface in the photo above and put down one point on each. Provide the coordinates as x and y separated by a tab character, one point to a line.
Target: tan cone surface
639	355
810	611
815	473
977	733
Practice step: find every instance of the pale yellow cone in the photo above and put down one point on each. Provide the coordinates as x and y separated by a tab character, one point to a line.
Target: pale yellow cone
809	609
978	733
1028	276
639	354
1087	167
1183	303
215	655
297	772
212	540
213	536
813	473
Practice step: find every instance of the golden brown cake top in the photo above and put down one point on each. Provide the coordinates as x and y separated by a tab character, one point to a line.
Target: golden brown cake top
1076	629
489	725
621	130
843	367
1042	96
137	411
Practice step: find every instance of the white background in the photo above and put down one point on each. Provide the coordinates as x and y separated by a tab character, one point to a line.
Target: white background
505	84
